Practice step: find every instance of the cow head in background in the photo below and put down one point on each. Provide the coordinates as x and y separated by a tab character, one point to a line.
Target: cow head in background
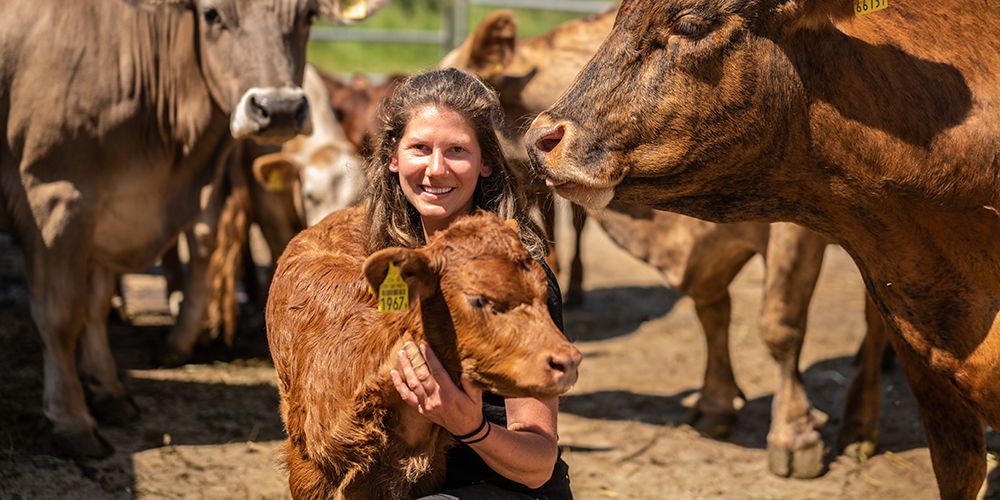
252	54
688	106
493	292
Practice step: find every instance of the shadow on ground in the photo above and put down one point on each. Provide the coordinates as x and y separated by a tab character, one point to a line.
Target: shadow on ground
591	321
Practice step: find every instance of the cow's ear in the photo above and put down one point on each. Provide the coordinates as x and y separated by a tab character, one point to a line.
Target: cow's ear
349	11
275	172
493	44
813	14
414	267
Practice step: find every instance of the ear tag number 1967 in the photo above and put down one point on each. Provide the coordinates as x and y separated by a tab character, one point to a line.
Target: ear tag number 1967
393	294
862	7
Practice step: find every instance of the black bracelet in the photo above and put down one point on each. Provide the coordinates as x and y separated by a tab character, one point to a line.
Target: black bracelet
489	427
473	433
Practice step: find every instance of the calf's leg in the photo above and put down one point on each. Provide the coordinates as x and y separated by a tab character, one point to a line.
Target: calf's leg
184	335
108	399
858	435
794	258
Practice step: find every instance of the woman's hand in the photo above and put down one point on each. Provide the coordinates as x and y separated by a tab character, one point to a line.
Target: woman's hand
423	383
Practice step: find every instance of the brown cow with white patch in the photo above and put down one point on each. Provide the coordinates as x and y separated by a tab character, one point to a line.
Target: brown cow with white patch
476	297
116	115
878	131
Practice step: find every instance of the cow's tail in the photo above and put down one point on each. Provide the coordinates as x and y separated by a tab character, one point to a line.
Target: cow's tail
226	261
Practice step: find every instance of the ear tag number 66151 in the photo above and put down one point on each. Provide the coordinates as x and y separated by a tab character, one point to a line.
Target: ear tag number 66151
862	7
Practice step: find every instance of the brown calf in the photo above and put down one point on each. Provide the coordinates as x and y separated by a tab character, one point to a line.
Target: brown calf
852	126
355	105
476	297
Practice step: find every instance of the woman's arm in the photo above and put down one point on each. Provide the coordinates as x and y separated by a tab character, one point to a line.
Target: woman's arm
525	451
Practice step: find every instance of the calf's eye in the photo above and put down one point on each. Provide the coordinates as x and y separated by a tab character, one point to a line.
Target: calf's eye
689	26
478	301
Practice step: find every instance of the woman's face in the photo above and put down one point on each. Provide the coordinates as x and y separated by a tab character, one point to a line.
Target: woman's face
439	163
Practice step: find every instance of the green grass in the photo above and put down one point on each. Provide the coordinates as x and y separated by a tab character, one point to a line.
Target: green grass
384	58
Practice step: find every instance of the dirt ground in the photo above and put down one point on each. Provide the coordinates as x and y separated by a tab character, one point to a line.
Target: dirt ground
211	429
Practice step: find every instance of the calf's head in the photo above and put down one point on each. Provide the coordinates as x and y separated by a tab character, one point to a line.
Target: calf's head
687	106
252	54
483	305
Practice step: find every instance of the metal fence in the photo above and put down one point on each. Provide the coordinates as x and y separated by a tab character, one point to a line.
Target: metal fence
455	22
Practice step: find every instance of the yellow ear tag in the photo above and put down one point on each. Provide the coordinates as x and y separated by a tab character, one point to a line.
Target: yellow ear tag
862	7
275	181
393	294
354	10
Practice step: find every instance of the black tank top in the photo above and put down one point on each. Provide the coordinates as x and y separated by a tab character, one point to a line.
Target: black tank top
466	467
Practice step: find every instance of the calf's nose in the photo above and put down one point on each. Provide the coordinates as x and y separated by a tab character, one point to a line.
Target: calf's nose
563	366
550	138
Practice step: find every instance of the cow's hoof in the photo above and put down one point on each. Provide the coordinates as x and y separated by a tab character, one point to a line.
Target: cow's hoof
115	411
87	444
860	450
713	425
803	461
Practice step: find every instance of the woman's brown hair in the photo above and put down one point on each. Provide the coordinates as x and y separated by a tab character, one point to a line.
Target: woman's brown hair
392	220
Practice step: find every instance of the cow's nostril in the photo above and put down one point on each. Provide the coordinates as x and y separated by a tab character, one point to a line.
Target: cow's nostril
257	108
302	111
550	140
557	365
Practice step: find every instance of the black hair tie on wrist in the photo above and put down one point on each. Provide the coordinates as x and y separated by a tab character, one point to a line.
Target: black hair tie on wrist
489	427
479	428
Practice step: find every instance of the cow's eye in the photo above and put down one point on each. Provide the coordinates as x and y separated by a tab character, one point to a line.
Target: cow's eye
212	16
478	301
689	26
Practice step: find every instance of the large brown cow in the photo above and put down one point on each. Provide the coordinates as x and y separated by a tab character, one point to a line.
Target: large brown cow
473	291
115	114
859	128
696	256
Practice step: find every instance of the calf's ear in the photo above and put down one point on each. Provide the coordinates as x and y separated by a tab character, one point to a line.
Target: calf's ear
349	11
414	267
275	172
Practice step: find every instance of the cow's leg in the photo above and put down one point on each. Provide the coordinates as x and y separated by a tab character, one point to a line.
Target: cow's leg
108	400
186	331
859	433
173	273
954	432
721	399
58	300
574	294
794	258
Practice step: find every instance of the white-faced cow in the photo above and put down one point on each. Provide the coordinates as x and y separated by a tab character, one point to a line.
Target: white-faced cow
115	115
879	131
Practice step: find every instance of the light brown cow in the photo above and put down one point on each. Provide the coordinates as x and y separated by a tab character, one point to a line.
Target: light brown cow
700	259
282	191
356	103
115	115
529	74
473	292
858	128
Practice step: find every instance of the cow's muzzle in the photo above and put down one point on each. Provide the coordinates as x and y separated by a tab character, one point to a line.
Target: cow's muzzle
273	114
